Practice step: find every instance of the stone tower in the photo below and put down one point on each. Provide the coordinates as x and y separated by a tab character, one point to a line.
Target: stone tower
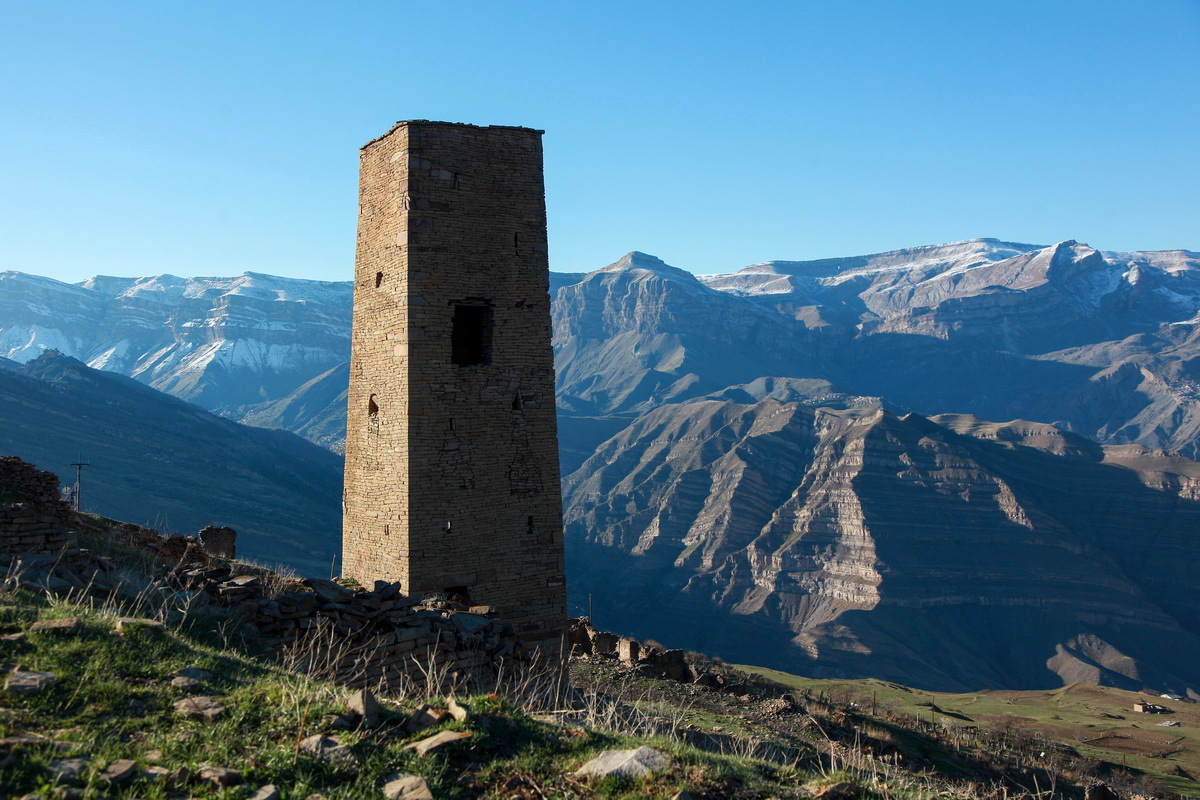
452	481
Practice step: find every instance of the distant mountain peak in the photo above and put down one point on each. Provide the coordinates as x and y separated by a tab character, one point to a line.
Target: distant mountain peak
635	261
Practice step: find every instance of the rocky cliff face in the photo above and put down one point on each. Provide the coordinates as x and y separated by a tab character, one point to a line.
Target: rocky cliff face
1101	344
856	542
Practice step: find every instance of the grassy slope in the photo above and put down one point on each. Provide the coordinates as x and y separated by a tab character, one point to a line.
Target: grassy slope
1097	721
112	699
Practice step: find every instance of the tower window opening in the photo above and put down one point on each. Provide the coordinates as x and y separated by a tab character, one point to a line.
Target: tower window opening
518	402
471	336
378	279
372	408
517	243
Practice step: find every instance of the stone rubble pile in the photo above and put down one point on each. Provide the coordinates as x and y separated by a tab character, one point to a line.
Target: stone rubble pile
377	638
171	547
60	571
653	662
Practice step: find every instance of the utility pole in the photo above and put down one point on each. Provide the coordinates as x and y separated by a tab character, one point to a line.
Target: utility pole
79	465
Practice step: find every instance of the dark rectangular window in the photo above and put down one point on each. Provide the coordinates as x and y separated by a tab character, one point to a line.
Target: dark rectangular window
471	338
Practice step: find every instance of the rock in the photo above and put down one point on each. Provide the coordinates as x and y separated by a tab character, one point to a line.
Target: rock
181	777
199	706
192	672
69	770
1100	791
220	776
268	792
127	625
625	764
683	794
329	591
219	541
119	771
327	748
438	741
12	743
65	625
338	722
365	707
458	712
187	684
425	716
835	791
13	637
27	681
402	786
155	773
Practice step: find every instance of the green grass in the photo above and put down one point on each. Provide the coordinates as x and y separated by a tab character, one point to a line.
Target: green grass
112	699
1069	716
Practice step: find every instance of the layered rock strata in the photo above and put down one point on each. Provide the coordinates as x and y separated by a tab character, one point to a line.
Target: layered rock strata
860	542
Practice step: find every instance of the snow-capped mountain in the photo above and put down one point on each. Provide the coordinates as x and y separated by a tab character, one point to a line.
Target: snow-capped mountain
227	344
742	462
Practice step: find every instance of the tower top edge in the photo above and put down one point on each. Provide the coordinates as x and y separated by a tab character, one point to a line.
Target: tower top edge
428	123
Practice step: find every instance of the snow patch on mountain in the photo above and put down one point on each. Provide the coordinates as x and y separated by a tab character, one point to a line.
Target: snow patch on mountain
27	343
171	289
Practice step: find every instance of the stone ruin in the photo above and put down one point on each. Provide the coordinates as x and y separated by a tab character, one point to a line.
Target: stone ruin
650	660
219	541
374	638
33	515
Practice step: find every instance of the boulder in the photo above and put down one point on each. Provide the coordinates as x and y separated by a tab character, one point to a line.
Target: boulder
27	681
439	741
625	764
402	786
219	541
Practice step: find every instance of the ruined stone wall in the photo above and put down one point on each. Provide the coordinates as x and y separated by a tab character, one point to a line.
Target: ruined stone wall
34	513
378	639
451	448
26	529
21	481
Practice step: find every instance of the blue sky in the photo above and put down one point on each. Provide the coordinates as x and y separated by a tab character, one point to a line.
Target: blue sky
214	138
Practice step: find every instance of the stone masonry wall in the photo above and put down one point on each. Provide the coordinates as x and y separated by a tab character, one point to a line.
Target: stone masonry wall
33	519
451	449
